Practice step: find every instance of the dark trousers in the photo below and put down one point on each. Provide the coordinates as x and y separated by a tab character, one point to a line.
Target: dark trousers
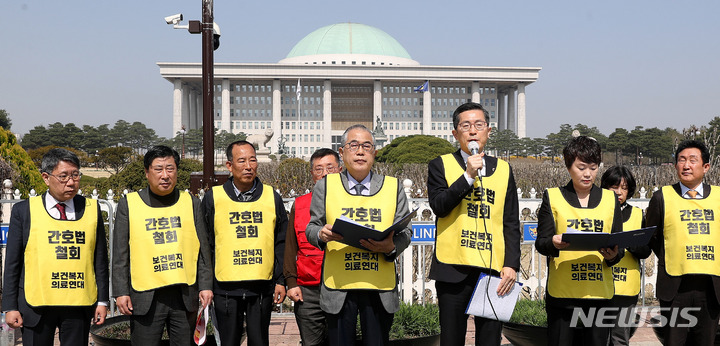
73	322
453	299
560	332
310	318
231	312
698	292
375	322
166	311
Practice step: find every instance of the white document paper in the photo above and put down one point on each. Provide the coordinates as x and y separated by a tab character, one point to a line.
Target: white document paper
485	299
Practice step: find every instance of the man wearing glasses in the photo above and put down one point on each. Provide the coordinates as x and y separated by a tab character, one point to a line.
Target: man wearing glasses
356	280
303	262
161	256
473	197
56	267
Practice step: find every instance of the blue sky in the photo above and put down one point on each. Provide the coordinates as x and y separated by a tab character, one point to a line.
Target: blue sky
604	63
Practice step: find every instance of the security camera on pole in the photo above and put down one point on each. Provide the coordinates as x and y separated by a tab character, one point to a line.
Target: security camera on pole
210	41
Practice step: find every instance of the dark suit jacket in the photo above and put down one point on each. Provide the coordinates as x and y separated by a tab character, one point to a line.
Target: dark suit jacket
667	285
141	301
332	300
14	277
444	198
255	287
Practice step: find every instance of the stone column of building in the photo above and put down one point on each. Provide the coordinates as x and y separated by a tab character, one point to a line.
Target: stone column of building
190	109
521	111
277	116
377	102
177	106
327	114
225	107
500	115
475	92
427	111
511	107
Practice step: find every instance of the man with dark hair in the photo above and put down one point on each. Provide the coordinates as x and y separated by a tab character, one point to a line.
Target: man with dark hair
303	262
56	266
473	196
248	220
688	233
357	281
161	256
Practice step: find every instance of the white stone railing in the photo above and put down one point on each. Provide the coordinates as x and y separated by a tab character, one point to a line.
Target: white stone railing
414	263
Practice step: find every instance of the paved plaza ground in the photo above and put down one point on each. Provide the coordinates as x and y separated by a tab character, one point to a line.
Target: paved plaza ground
284	332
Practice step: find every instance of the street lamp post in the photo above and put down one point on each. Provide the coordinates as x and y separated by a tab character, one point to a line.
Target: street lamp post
208	97
210	41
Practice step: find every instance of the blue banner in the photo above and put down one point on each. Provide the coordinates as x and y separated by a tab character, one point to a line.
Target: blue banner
423	233
529	231
3	235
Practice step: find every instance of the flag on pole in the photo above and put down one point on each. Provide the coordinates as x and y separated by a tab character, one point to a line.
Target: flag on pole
423	87
297	90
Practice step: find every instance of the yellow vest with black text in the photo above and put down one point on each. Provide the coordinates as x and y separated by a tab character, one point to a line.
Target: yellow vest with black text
346	267
581	274
627	271
244	236
462	236
164	246
692	234
59	257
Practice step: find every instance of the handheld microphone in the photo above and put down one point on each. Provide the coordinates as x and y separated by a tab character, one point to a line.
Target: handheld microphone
474	150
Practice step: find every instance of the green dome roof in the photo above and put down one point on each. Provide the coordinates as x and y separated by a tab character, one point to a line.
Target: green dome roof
348	38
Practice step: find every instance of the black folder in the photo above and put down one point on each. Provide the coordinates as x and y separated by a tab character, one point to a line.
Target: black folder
587	241
352	231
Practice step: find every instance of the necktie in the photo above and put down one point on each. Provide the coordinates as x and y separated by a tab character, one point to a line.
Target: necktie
359	189
692	193
61	208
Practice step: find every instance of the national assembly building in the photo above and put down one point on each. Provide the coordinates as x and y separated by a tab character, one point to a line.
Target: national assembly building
341	75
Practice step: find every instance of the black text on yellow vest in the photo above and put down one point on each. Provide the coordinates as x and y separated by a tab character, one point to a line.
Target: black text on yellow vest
461	235
244	237
627	271
691	232
347	267
581	274
164	245
60	258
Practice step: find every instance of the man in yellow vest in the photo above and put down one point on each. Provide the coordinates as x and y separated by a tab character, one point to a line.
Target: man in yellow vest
56	266
687	237
248	220
303	262
161	257
354	280
478	231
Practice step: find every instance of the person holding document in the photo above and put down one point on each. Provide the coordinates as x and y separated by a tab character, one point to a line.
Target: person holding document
578	279
627	273
356	280
688	233
473	196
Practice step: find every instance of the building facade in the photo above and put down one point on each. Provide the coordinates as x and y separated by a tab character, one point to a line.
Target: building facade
340	75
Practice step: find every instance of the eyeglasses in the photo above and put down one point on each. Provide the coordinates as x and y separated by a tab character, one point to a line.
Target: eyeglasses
330	169
479	125
354	146
63	178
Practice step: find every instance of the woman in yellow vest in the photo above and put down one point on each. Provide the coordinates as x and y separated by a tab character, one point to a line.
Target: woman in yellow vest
578	282
627	273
